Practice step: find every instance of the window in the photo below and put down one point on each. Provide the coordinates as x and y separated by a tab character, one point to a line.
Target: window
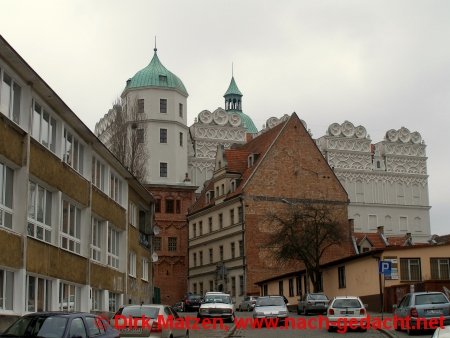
163	80
233	286
210	224
169	206
211	285
172	244
410	269
211	255
195	287
223	189
241	285
97	299
140	103
69	297
194	258
200	226
280	288
373	222
265	290
233	250
71	227
163	135
162	169
201	287
39	294
221	252
241	249
220	221
163	106
39	212
44	127
115	188
241	214
6	289
194	230
114	301
298	281
96	245
181	139
133	214
6	195
73	151
291	287
10	97
98	174
201	258
440	268
157	205
157	243
359	191
132	264
180	109
140	135
400	193
94	326
341	277
403	223
77	328
144	269
231	216
178	206
113	247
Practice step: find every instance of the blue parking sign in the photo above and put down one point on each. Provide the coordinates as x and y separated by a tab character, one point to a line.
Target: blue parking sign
385	268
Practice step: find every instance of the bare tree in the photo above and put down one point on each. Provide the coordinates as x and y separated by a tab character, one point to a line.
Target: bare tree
304	232
126	137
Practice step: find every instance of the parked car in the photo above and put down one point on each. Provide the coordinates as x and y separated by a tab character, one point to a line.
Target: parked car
420	306
312	302
191	302
60	325
216	305
345	308
442	332
248	303
146	311
271	307
178	307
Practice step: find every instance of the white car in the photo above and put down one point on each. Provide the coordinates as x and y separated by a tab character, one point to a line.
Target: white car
271	307
442	332
216	305
346	312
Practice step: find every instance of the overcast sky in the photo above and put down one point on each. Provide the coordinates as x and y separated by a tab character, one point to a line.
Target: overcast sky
380	64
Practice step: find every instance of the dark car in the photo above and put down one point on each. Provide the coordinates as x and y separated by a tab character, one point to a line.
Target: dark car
61	325
192	302
422	309
312	302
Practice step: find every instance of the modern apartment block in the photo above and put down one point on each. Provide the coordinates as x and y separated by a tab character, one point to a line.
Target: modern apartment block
74	223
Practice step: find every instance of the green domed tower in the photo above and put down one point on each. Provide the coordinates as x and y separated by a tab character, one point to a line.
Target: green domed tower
233	103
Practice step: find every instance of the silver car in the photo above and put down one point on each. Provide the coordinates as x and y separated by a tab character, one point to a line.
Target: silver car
142	321
344	310
313	302
271	307
248	303
423	309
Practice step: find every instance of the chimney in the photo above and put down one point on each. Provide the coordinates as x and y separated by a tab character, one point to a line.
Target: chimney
351	227
380	229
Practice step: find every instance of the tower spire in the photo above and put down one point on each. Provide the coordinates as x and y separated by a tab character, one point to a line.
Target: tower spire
155	49
232	69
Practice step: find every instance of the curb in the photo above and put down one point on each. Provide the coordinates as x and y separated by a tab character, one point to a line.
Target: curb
387	333
231	331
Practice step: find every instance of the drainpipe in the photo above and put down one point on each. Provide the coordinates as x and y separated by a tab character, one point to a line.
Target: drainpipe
244	264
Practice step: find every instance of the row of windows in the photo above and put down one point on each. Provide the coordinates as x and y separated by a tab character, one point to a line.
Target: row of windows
172	244
171	206
39	295
220	223
132	266
402	223
162	106
198	288
221	254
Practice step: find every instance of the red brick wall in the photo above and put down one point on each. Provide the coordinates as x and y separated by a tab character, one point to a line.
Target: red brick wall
293	169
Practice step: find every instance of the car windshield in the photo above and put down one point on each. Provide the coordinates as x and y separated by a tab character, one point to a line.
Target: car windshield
269	301
431	298
318	297
346	303
194	297
47	327
139	311
218	299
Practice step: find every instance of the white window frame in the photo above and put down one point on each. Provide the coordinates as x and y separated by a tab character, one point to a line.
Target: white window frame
6	193
37	129
6	281
97	300
72	235
132	264
73	293
32	303
114	299
113	247
73	151
97	239
145	269
98	173
115	188
7	104
133	214
36	227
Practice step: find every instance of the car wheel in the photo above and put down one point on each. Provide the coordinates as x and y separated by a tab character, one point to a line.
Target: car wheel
186	335
298	311
410	332
306	312
331	329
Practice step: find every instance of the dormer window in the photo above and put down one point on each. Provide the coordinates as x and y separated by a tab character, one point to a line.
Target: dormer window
233	186
252	159
162	79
